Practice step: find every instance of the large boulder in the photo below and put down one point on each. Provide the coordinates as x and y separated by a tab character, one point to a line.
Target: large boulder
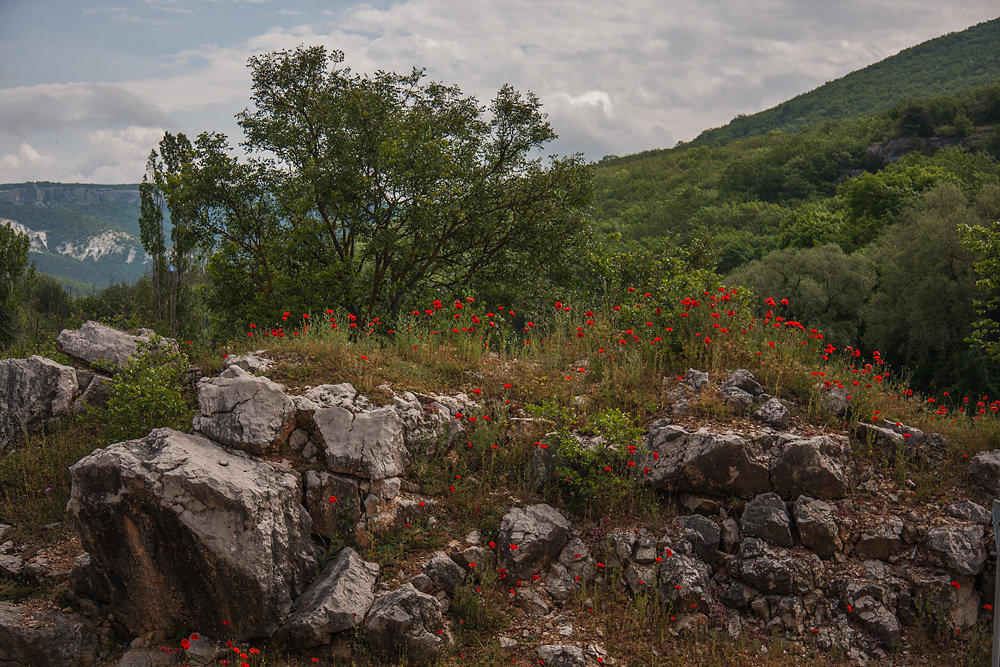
773	412
338	600
815	467
243	411
705	462
44	637
684	583
817	526
33	392
957	548
103	347
444	572
765	516
189	532
530	538
876	619
408	622
984	471
359	439
772	571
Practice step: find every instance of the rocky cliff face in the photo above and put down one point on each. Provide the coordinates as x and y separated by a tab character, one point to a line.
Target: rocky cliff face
40	194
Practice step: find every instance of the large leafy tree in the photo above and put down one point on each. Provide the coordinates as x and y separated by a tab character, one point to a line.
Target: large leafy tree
375	192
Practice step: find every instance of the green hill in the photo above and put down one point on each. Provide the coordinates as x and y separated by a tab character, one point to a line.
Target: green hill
946	64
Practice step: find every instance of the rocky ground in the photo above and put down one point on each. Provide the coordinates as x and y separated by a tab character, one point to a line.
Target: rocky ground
302	522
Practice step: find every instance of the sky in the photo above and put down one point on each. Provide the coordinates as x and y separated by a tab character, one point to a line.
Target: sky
88	88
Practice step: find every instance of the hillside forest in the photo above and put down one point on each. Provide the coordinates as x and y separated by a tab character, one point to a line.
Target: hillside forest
373	196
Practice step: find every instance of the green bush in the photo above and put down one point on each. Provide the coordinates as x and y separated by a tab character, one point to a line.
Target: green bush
147	394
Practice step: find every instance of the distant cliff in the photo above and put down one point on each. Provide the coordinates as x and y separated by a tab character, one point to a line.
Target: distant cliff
40	194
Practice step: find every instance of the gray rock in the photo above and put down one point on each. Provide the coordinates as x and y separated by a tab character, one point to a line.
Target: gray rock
187	531
101	346
87	580
359	439
33	392
696	379
817	527
530	538
953	600
430	420
333	502
957	548
338	600
984	471
561	655
815	467
5	528
574	567
766	517
444	572
880	539
249	362
966	509
641	577
45	637
773	412
874	618
146	657
684	461
880	439
96	392
684	583
10	566
744	380
730	535
834	398
772	571
409	622
703	534
243	411
739	401
644	549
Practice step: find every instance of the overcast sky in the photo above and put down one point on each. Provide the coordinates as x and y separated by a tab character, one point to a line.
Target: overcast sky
88	88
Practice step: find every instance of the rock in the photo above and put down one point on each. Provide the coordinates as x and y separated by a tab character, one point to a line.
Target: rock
359	439
243	411
640	577
744	380
817	527
966	510
10	566
957	548
880	539
33	392
644	549
574	567
773	412
561	655
400	512
147	657
739	401
249	362
730	535
685	461
874	618
951	601
45	637
333	502
984	471
815	467
87	580
684	583
834	398
427	420
187	531
102	347
96	392
337	600
765	516
444	572
409	622
530	538
773	571
703	534
696	379
878	438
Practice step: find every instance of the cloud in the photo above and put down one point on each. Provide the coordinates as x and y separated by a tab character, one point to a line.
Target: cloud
47	107
27	160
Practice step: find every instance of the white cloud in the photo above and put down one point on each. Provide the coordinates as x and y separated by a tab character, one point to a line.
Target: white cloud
26	160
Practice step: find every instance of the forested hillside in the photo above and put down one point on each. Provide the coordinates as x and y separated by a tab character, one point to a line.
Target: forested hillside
946	64
828	216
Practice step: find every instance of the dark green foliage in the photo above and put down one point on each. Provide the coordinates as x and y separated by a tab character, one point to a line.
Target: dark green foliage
13	260
947	64
983	240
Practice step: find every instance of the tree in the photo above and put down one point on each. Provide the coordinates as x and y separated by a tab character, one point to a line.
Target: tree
984	242
13	261
376	192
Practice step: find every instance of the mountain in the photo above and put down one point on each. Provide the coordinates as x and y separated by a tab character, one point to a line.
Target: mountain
86	236
946	64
